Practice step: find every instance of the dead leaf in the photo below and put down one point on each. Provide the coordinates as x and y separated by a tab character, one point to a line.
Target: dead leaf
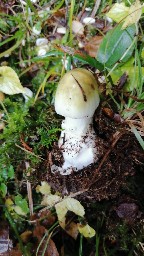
123	79
46	218
77	27
6	7
108	112
13	252
25	236
92	46
127	211
5	242
52	250
2	96
135	12
2	125
130	15
39	231
72	230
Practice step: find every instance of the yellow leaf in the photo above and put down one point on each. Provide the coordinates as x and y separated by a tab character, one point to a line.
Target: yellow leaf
19	210
50	200
68	204
9	204
44	189
135	12
75	206
9	81
118	12
61	211
86	230
130	15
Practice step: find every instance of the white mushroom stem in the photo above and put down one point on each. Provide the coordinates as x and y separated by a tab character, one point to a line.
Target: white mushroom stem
77	142
76	99
27	94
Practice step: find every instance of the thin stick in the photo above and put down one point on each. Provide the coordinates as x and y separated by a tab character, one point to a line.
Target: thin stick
29	152
29	191
97	4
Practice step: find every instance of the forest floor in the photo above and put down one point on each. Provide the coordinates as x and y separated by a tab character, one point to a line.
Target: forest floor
99	210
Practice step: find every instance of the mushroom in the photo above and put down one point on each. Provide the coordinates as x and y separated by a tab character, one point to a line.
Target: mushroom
76	99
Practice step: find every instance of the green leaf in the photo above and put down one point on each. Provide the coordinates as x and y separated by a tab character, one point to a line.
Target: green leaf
11	172
117	45
22	204
133	73
138	136
118	12
29	2
86	59
3	189
4	174
3	25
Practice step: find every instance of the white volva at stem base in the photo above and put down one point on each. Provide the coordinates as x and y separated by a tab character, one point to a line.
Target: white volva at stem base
78	145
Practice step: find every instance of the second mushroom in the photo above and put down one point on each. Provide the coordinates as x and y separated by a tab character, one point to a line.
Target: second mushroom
76	99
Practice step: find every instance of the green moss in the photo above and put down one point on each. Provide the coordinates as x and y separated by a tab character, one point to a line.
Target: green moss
27	131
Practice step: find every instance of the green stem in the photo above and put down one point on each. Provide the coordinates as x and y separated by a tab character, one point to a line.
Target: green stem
1	103
70	22
13	225
45	235
52	70
97	245
80	248
11	49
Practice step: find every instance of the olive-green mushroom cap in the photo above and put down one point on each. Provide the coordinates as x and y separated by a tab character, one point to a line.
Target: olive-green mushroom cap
77	94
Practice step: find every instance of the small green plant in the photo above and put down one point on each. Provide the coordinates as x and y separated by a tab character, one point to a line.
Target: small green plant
6	175
47	136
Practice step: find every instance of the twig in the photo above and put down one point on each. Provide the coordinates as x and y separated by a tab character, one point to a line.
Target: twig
97	4
29	191
29	152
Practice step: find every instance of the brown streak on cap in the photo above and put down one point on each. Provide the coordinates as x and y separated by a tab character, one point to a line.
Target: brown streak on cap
92	86
82	90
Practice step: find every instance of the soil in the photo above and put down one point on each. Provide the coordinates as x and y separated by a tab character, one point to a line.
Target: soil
120	156
111	190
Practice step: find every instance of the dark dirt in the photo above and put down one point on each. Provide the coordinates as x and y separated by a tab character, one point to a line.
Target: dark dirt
110	190
120	156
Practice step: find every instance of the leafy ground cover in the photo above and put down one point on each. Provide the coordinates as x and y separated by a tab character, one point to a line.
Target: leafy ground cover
99	210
